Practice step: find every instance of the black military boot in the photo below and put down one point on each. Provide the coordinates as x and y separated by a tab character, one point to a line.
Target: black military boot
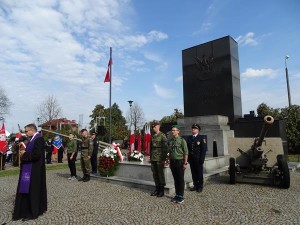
161	191
155	192
82	178
87	178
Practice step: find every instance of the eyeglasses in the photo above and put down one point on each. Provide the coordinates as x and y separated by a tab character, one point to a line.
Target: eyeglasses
26	131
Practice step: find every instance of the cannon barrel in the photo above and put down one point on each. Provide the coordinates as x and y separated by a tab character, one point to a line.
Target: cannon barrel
268	121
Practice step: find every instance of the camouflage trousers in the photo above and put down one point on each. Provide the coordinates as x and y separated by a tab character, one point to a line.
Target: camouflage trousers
157	168
85	163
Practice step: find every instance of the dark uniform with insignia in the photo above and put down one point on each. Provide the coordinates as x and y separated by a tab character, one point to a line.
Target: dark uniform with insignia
197	150
86	152
158	154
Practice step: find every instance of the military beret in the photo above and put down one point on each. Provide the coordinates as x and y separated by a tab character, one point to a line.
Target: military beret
175	126
155	123
196	126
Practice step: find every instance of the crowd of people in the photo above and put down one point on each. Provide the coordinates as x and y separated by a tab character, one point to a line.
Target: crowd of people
31	196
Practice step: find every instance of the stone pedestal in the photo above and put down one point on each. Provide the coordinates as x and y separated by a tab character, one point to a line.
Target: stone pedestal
139	174
215	127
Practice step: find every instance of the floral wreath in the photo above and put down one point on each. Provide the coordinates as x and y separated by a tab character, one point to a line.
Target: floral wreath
109	160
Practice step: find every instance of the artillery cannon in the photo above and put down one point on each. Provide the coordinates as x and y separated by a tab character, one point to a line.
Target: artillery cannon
262	163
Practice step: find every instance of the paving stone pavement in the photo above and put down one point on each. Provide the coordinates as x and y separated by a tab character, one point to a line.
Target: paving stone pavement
99	202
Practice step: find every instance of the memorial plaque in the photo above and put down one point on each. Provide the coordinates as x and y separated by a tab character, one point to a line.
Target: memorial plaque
211	79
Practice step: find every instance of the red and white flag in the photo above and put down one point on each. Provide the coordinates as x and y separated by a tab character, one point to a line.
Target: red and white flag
139	148
116	146
3	145
107	76
132	139
18	137
147	139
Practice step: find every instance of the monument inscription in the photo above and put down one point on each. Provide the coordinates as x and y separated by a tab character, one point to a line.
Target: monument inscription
211	79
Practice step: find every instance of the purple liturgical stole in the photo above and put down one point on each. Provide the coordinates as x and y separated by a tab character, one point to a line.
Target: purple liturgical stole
26	169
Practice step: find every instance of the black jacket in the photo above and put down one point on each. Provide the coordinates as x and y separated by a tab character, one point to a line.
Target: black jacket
197	147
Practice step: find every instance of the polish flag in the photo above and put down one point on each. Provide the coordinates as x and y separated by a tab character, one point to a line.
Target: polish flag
107	76
147	139
139	142
116	146
132	139
3	146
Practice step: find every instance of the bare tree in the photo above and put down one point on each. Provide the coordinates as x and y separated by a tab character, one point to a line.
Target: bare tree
135	116
5	103
49	109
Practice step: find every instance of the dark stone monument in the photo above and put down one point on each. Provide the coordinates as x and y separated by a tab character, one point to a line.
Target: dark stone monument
211	80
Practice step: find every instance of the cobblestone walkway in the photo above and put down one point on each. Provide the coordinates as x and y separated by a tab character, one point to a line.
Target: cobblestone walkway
98	202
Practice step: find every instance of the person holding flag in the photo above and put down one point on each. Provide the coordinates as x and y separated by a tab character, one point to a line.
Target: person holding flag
3	147
71	150
86	152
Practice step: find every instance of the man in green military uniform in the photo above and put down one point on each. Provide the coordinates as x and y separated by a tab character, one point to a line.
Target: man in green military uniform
71	150
178	162
86	151
158	153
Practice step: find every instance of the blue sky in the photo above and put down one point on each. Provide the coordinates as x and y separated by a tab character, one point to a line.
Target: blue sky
61	48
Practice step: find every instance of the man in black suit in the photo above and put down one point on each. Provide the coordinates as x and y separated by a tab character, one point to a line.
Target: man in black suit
197	146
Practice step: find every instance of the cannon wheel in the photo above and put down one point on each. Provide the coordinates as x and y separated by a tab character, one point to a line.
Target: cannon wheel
285	173
232	170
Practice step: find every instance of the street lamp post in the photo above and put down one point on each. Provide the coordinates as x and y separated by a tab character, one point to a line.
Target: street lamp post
287	80
130	104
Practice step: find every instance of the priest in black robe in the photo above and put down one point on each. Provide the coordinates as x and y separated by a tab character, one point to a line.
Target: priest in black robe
31	196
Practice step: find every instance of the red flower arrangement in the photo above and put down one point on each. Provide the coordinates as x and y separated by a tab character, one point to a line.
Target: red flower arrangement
108	162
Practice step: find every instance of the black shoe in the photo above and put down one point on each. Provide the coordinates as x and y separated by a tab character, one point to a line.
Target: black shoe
161	191
180	200
155	192
199	189
26	219
87	178
81	179
174	199
192	189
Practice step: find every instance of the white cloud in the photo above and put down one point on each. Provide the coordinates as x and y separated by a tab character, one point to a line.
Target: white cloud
156	36
248	39
163	92
61	48
206	26
251	73
158	59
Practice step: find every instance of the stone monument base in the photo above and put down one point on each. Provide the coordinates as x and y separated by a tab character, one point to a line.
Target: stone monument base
215	127
139	175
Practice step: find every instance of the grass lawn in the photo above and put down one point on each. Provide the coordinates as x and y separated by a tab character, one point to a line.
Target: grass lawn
15	170
294	158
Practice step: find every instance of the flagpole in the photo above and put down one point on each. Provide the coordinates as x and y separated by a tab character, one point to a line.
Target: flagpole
110	95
